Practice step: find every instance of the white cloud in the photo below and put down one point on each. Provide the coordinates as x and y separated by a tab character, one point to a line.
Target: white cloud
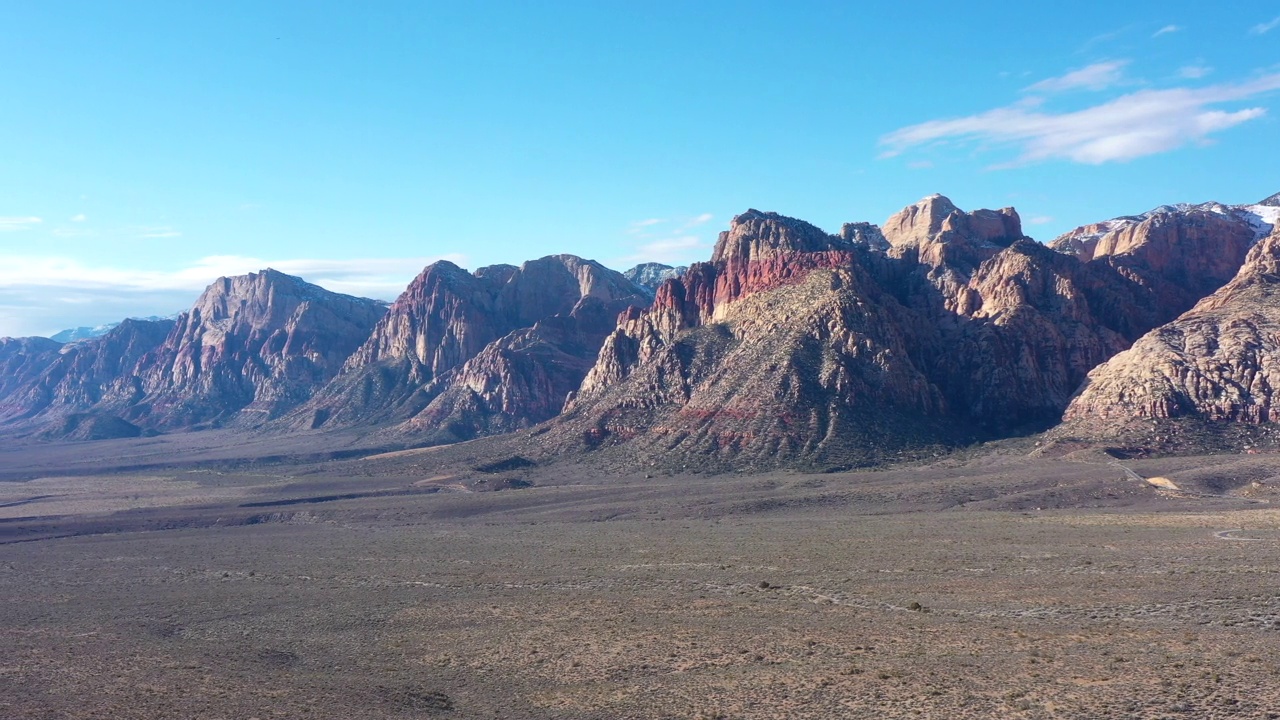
670	241
1194	72
162	231
72	232
53	271
920	164
639	226
1039	220
1266	27
676	250
694	222
79	217
44	294
1166	30
14	224
1127	127
1098	76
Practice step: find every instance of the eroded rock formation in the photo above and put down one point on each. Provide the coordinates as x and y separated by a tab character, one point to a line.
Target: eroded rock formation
1220	361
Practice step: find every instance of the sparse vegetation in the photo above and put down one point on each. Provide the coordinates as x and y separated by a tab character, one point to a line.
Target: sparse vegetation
585	596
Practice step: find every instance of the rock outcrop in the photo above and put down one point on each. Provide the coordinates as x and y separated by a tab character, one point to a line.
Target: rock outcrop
650	275
1181	254
461	354
793	346
790	346
22	361
251	348
1219	362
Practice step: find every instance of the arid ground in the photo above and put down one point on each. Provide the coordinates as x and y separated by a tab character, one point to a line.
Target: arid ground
166	580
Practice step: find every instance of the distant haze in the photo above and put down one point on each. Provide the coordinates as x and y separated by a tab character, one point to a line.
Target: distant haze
160	146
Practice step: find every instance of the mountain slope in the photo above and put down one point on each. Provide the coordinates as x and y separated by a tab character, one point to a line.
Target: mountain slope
1219	362
792	346
461	354
250	348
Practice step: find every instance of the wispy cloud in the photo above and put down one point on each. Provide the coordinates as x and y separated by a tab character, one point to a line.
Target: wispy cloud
671	250
72	232
1266	27
1039	220
79	218
1194	72
375	274
675	240
163	231
1127	127
49	293
696	221
1098	76
639	226
920	164
1166	30
14	224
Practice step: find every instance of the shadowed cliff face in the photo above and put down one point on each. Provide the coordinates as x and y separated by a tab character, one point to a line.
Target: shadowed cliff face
461	354
1220	361
251	348
792	345
22	361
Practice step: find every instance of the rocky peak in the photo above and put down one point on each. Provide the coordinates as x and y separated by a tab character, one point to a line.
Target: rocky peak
940	234
22	360
455	345
1273	201
554	284
936	219
497	274
651	275
1218	362
259	300
1180	253
594	279
755	235
919	223
864	234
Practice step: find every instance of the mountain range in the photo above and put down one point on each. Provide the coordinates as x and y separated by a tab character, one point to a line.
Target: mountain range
790	346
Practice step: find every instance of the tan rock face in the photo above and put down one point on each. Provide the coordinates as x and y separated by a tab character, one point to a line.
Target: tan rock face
256	345
251	348
937	233
22	361
1188	254
462	354
952	324
1220	361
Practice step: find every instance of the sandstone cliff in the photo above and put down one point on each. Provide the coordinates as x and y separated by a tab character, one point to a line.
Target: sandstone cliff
795	346
650	275
251	348
461	354
22	361
1220	361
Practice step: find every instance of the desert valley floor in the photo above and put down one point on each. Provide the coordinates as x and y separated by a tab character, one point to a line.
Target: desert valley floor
180	579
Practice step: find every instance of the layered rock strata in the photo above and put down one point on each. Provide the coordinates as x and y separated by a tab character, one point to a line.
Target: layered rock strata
462	354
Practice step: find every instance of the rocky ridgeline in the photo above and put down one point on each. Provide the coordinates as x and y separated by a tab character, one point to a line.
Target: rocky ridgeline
461	354
1219	361
250	349
790	346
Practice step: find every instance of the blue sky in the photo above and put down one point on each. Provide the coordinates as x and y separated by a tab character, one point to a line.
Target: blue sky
150	147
